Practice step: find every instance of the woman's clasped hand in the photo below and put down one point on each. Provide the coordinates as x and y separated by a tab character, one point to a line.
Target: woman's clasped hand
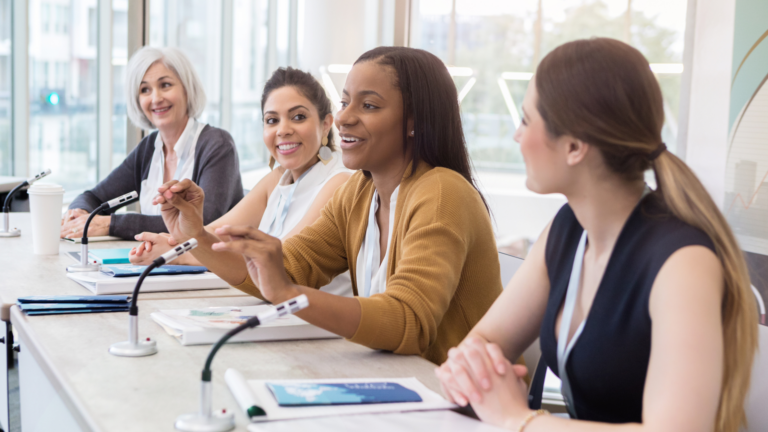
473	370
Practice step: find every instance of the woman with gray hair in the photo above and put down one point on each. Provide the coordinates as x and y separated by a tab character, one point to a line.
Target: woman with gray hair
163	93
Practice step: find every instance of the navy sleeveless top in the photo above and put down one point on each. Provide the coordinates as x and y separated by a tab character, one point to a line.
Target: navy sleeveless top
609	362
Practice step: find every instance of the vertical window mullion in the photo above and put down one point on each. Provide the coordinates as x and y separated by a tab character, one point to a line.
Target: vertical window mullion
104	88
20	86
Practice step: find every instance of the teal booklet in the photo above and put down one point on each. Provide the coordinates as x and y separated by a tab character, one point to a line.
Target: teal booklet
136	270
308	394
71	308
110	256
113	299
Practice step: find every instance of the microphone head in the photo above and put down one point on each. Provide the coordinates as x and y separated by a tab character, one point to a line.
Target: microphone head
37	177
179	250
122	200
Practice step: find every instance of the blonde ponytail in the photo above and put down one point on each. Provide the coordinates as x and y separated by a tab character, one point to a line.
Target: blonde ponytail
687	199
602	91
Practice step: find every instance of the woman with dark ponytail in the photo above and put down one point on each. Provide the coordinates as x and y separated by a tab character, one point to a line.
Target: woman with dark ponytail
298	133
641	298
411	227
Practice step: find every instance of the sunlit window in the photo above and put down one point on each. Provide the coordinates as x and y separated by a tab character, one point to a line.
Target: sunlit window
62	93
6	154
499	43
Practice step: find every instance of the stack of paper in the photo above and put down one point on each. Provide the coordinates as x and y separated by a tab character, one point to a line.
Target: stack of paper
208	325
100	283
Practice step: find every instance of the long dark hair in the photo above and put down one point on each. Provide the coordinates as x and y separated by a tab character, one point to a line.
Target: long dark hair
431	100
305	84
602	91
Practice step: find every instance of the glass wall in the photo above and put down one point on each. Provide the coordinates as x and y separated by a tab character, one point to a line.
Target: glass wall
62	91
249	73
6	153
497	45
119	61
194	26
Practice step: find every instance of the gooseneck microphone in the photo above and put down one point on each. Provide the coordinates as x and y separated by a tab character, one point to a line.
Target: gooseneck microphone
7	231
132	347
220	421
118	202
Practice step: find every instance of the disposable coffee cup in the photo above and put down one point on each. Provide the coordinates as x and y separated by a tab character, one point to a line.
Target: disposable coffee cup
45	202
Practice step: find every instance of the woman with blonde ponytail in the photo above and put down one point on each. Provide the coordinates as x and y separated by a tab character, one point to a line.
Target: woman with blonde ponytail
641	298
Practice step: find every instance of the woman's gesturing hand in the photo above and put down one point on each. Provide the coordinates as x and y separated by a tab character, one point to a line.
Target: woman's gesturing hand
152	246
182	208
477	372
264	258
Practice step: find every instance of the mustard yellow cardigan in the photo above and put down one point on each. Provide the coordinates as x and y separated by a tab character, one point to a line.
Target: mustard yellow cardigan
443	270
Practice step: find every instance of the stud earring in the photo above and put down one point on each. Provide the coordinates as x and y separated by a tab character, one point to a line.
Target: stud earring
325	154
412	132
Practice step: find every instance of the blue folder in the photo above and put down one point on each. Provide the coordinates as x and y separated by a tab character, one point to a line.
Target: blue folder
135	270
112	299
308	394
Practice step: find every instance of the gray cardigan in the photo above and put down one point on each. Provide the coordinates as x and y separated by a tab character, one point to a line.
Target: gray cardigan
216	171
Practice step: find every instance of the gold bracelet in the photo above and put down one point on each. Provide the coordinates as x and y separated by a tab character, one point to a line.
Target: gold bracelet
530	417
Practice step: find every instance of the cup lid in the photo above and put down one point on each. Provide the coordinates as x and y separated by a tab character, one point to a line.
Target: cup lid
45	189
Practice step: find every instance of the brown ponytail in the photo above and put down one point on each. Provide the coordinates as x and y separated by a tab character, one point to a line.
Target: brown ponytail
603	92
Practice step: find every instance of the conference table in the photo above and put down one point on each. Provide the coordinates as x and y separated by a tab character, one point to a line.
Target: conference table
69	382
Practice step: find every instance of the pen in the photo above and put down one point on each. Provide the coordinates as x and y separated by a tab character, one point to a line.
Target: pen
243	394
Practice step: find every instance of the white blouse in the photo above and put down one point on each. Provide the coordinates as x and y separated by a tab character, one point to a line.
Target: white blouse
370	253
301	196
185	150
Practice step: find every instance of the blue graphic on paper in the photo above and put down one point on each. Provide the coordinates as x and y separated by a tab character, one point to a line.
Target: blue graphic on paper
305	394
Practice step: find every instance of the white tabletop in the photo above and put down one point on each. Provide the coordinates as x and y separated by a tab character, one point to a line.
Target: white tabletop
110	393
27	274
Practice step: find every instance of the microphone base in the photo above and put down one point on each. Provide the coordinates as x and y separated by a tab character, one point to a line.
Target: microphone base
11	233
218	422
83	268
127	349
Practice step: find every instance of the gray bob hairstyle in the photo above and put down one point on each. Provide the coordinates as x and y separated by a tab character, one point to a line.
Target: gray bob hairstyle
174	60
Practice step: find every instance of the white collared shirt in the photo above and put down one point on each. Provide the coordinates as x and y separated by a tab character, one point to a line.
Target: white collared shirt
379	270
185	150
301	200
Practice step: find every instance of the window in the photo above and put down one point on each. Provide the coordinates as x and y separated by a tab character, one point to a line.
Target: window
119	61
495	45
249	73
62	89
93	27
194	26
6	153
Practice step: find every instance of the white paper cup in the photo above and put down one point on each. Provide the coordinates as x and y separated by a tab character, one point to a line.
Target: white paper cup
45	202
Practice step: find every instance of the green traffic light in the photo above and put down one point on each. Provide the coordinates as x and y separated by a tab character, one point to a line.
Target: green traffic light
53	98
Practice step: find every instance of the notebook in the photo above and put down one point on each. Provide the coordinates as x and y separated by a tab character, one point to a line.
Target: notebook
137	270
260	394
312	394
75	299
110	256
102	284
66	308
98	256
79	240
207	325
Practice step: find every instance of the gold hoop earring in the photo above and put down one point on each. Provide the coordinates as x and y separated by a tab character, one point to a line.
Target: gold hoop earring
325	154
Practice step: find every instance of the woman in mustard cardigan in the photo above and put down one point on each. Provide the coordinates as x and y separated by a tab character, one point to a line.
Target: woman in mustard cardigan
410	225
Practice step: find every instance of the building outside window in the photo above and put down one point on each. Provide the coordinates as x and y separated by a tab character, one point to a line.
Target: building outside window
495	46
62	93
